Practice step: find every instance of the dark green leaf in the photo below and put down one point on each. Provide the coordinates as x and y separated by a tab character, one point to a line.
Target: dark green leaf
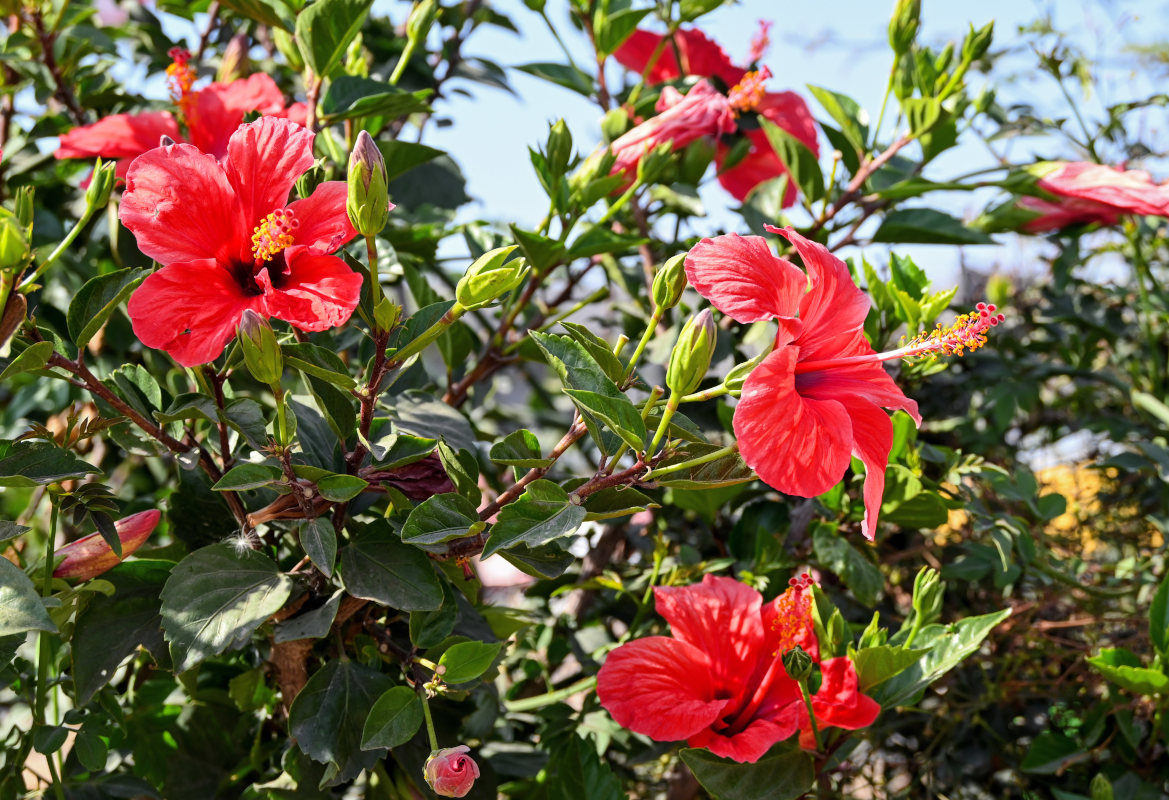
340	488
599	239
847	113
325	30
379	566
783	775
21	608
328	717
398	450
97	300
27	464
466	661
546	561
189	406
615	28
441	518
313	624
91	750
429	628
10	530
350	96
598	348
32	358
926	226
419	414
393	720
273	13
617	413
319	541
576	772
215	598
1159	617
248	476
463	469
726	471
1050	753
616	501
318	362
542	514
401	157
801	162
519	449
540	251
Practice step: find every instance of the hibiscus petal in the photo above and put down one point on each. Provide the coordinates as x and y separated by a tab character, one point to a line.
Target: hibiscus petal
264	159
719	616
743	279
118	136
700	56
789	111
659	687
838	703
317	293
189	309
1131	191
324	222
635	54
180	206
220	108
872	437
760	164
749	744
798	445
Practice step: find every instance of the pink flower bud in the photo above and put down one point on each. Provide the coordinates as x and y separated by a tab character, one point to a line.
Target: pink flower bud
450	772
90	556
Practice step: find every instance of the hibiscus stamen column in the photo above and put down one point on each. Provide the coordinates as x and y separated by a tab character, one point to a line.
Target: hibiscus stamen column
180	77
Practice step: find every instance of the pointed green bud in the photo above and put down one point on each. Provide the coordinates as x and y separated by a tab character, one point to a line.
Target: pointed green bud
977	42
738	375
903	25
490	277
928	589
23	203
873	635
559	148
101	184
368	203
261	350
422	16
234	64
670	282
691	356
13	242
797	663
386	314
614	123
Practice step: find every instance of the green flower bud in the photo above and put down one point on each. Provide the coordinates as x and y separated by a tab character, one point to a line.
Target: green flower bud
357	58
234	64
490	277
559	148
24	206
797	663
738	375
670	282
101	184
903	25
260	348
873	635
287	47
614	123
13	241
928	589
368	203
422	16
977	42
691	356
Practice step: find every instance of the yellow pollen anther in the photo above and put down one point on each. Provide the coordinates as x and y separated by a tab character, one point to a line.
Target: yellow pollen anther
793	613
180	77
276	232
748	93
968	332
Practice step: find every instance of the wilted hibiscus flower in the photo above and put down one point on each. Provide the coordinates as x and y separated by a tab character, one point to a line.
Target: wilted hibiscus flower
719	681
819	397
1086	193
229	240
702	57
210	114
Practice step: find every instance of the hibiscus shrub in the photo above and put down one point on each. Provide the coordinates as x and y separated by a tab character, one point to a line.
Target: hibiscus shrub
317	487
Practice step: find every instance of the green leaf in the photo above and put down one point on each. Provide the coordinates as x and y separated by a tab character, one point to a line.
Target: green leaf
858	573
36	463
273	13
378	566
340	488
401	157
722	472
801	162
393	720
110	628
599	239
878	664
617	413
783	775
542	514
613	29
97	300
189	405
598	348
540	251
248	476
519	449
441	518
1159	618
215	598
848	114
313	624
325	30
466	661
328	718
21	608
10	530
398	450
319	540
546	561
91	750
32	358
1124	669
420	414
926	226
922	113
616	501
1049	753
948	646
350	96
462	468
317	361
562	75
429	628
576	772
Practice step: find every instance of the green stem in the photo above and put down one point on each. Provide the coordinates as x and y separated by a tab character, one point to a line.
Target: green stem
429	335
650	402
547	699
708	394
650	330
26	284
375	287
45	648
664	425
885	100
619	203
811	714
403	60
917	620
694	462
1142	272
429	721
281	419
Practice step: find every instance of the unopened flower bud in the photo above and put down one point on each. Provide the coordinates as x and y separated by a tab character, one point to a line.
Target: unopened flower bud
691	356
928	589
654	164
24	206
670	282
13	242
738	375
386	314
260	348
92	555
234	64
903	25
614	124
368	203
559	147
450	772
422	16
101	183
797	663
490	277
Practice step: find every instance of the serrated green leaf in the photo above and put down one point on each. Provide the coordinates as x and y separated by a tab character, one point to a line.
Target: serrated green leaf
617	413
248	476
441	518
542	514
393	720
97	300
36	463
782	774
378	566
325	29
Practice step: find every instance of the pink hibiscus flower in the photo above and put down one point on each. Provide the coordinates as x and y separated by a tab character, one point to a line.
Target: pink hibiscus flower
819	397
229	240
703	57
1094	193
719	681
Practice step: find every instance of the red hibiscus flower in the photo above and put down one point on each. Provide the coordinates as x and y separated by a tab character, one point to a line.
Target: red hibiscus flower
703	57
682	119
819	397
1094	193
211	114
719	681
229	241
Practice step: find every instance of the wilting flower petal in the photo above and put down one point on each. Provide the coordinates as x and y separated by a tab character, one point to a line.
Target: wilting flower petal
91	555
